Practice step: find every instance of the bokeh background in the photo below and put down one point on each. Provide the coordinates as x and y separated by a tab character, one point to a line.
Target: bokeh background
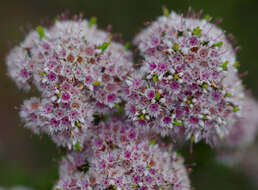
26	159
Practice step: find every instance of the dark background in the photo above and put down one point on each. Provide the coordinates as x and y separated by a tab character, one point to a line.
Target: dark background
26	159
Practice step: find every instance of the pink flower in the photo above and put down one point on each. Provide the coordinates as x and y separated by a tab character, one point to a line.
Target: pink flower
111	98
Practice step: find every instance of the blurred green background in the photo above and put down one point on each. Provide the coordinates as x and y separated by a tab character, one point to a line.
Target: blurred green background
26	159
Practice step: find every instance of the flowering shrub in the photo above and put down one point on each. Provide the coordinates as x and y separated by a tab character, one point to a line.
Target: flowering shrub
114	117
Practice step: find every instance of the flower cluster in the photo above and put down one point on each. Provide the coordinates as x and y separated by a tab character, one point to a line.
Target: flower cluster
181	86
78	69
118	157
111	115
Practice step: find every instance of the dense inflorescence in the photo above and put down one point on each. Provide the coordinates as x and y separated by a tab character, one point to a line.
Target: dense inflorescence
117	156
118	120
78	69
181	88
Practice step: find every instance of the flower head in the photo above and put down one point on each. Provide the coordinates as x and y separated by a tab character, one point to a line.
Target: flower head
182	86
118	157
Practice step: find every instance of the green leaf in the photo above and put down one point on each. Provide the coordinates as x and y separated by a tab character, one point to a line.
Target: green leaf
197	31
204	117
155	78
205	85
176	47
220	43
43	74
78	146
104	46
78	124
224	66
157	96
135	186
40	31
178	123
142	117
92	21
235	109
152	142
59	95
176	76
228	94
97	83
127	46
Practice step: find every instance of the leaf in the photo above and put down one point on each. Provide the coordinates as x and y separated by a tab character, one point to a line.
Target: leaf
59	95
97	83
224	66
176	76
104	46
155	78
204	117
43	74
220	43
197	31
205	85
40	31
235	109
157	96
177	123
78	146
176	47
92	21
228	94
78	124
152	142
